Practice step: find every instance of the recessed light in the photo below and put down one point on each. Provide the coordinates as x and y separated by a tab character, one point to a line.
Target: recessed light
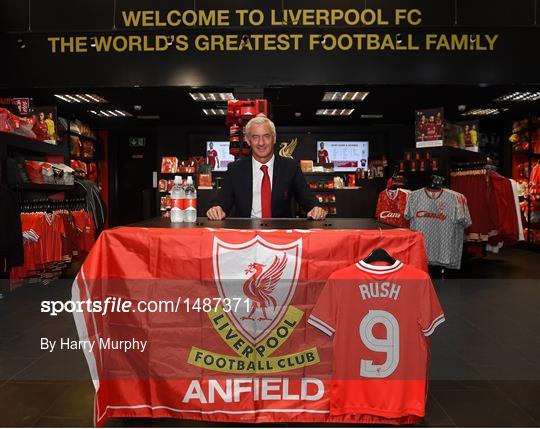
334	112
345	96
297	114
214	112
519	96
212	96
111	113
81	98
483	112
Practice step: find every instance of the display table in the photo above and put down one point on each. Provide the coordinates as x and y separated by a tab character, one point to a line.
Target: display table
243	223
188	346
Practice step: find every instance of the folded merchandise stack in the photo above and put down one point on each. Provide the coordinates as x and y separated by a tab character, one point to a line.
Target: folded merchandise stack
22	171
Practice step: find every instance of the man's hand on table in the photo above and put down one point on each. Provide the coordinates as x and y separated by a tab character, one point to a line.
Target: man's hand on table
216	213
317	213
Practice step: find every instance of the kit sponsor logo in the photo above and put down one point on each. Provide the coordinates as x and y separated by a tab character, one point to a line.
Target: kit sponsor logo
390	215
423	213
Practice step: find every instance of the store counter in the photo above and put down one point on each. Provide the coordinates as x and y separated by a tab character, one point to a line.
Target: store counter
179	338
243	223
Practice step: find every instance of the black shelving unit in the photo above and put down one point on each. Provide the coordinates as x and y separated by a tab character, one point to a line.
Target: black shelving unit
30	149
95	159
449	157
526	153
43	187
25	144
82	136
11	144
317	176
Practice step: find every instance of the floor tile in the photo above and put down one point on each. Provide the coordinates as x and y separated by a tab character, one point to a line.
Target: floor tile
75	402
27	401
475	408
526	394
59	422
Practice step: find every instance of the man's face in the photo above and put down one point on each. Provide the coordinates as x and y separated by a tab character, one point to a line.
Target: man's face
262	142
211	146
41	116
322	146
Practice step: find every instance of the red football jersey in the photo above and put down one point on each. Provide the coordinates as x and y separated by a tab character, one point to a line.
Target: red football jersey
380	317
322	155
391	207
212	155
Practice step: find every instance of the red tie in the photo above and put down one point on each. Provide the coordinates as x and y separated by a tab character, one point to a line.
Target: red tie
266	193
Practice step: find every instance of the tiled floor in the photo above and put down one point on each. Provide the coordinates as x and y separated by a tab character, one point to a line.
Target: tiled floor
485	359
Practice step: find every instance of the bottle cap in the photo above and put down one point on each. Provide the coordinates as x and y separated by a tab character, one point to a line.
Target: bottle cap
177	180
190	180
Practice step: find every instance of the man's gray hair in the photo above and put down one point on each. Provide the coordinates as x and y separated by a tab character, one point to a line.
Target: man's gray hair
259	120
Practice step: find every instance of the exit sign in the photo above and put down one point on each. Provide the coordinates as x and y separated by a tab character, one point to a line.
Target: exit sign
137	141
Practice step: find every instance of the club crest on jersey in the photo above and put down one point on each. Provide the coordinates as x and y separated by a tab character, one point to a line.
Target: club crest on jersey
263	272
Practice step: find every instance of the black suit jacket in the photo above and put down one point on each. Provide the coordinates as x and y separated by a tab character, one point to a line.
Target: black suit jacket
237	188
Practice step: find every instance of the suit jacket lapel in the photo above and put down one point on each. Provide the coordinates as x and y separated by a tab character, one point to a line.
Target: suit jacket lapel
276	182
248	184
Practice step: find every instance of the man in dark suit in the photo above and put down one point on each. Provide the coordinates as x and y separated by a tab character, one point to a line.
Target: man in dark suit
262	185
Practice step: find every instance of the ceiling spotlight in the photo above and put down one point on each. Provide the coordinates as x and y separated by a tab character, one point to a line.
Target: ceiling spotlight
297	114
21	43
137	107
461	107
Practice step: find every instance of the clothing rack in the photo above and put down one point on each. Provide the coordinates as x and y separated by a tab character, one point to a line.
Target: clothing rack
46	205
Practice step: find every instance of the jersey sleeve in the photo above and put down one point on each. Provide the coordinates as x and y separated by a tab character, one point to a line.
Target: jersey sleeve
409	209
324	314
462	215
467	221
431	314
378	209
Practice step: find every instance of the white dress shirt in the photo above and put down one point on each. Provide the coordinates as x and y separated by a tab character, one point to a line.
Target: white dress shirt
256	207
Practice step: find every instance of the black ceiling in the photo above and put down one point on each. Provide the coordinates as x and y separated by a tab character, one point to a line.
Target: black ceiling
174	106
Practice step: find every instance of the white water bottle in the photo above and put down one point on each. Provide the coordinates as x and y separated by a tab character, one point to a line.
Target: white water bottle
191	201
178	198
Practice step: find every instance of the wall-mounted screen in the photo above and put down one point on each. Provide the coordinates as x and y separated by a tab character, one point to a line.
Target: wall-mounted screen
346	156
218	156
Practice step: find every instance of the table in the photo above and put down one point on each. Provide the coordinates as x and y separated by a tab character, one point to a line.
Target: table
288	223
180	355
